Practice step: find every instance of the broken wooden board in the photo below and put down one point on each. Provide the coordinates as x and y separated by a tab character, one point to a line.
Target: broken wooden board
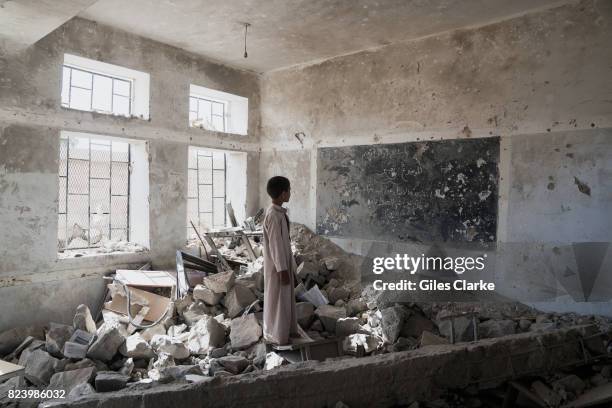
10	370
157	279
157	304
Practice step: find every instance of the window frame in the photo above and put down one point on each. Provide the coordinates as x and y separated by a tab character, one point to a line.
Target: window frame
139	90
212	101
94	73
65	138
207	153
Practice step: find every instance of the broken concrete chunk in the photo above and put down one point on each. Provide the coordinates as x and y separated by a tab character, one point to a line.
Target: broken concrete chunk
347	325
195	312
339	293
10	339
106	345
207	333
68	380
179	372
148	333
158	366
496	328
463	328
81	390
135	346
329	315
393	319
107	381
56	337
220	282
274	360
206	295
237	299
172	346
234	364
356	306
83	319
307	269
332	263
245	331
305	313
195	378
353	342
416	324
428	338
551	398
39	367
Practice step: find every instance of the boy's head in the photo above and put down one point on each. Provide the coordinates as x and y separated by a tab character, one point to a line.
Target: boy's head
279	189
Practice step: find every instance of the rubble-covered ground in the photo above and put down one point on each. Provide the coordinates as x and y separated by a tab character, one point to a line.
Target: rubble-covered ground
208	333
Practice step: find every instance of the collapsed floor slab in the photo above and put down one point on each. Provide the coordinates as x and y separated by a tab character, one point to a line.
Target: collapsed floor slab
376	381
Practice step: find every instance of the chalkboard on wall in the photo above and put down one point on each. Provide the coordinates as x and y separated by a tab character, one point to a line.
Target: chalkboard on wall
434	191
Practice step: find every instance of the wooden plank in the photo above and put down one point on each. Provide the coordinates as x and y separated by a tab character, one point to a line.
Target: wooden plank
157	304
9	370
154	279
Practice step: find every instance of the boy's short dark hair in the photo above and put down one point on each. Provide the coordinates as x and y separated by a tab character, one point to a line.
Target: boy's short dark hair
276	186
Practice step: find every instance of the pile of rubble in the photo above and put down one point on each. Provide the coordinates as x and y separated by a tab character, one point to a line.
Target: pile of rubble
217	330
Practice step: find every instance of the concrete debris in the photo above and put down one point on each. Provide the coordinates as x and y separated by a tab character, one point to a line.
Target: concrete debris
237	299
206	295
39	367
135	346
206	334
81	390
244	332
329	315
428	338
392	322
56	337
496	328
305	313
107	381
83	320
368	343
162	343
347	325
68	380
307	269
234	364
220	282
107	343
274	360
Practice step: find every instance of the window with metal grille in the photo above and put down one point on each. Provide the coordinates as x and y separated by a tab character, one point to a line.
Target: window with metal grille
91	91
207	113
206	195
94	191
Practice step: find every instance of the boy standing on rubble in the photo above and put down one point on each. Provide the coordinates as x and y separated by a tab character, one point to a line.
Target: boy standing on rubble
279	266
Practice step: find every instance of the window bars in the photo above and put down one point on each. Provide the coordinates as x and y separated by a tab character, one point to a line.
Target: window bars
94	186
206	196
90	91
207	113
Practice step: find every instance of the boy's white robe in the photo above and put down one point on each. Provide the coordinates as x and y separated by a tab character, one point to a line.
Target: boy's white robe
279	300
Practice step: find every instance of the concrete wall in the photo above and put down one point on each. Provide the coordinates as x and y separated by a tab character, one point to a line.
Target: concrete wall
537	81
33	282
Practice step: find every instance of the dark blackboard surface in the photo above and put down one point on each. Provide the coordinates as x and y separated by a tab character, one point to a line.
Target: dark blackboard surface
435	191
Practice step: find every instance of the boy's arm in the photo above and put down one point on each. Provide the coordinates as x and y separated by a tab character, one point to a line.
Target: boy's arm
276	249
